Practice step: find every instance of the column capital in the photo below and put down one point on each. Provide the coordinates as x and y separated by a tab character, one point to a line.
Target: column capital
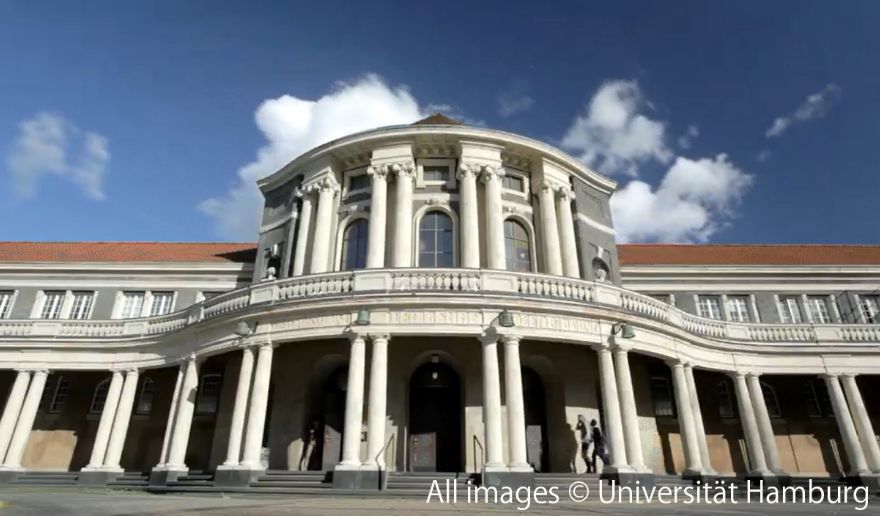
379	336
491	173
378	172
736	374
324	184
620	347
753	374
507	338
830	376
676	363
402	169
849	375
354	336
466	170
564	193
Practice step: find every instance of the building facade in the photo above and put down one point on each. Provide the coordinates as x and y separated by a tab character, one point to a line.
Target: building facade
438	297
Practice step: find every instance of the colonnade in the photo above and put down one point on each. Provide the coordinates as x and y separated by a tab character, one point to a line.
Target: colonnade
557	223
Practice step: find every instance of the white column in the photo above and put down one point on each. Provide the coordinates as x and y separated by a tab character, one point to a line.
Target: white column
378	398
256	423
25	421
858	465
765	427
697	414
693	464
186	404
628	411
354	406
863	422
611	406
491	177
516	412
550	230
750	426
323	217
470	231
121	421
492	405
108	415
570	264
172	416
13	408
302	233
378	209
242	391
403	222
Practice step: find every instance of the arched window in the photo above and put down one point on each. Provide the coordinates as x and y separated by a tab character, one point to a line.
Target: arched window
435	240
354	245
145	398
99	398
770	400
516	246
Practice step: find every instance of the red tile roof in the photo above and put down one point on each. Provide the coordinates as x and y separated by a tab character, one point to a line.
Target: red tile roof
630	254
744	254
138	252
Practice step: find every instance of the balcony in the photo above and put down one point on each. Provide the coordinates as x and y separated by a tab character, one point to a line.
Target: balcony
439	282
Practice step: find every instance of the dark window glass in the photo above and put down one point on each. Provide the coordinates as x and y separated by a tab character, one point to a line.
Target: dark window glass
513	183
435	173
725	400
662	393
361	182
516	244
354	245
435	240
208	394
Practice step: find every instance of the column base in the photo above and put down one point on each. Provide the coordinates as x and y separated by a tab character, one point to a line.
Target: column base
161	475
507	478
626	476
235	475
767	477
98	476
699	475
869	480
353	478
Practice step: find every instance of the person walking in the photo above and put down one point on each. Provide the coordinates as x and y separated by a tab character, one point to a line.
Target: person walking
600	448
584	440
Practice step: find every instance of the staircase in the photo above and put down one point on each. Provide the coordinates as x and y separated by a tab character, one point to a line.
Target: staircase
410	483
47	478
195	481
291	482
130	480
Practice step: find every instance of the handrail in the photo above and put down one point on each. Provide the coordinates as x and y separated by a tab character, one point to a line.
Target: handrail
459	281
482	453
379	463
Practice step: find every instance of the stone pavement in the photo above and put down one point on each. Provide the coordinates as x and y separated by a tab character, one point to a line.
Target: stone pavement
41	501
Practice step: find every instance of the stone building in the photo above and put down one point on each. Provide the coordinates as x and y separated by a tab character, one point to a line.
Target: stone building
436	297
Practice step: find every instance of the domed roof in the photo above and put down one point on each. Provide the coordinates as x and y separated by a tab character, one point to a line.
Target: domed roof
437	119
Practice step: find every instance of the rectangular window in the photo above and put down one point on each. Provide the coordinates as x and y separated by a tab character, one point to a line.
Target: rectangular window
789	310
818	307
870	308
435	173
662	394
52	301
738	308
709	307
132	304
511	182
359	182
62	391
209	394
145	398
6	303
82	305
161	303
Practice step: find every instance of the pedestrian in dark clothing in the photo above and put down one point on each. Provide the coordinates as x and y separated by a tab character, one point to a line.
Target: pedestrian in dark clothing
600	448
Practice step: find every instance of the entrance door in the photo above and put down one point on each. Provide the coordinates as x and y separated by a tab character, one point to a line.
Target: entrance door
536	420
333	415
435	419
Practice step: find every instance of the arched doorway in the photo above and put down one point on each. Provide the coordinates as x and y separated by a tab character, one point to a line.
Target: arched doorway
535	402
326	424
435	418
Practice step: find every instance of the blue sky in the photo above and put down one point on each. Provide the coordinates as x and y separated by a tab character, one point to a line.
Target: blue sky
119	120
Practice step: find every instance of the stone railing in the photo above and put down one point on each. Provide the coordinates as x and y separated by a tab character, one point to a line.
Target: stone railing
462	282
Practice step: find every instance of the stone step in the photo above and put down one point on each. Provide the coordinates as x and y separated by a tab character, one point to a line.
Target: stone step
290	484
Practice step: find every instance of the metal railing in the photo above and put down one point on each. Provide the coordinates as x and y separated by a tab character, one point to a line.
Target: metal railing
476	442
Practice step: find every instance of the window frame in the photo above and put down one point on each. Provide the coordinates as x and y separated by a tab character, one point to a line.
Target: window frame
95	392
528	239
58	308
526	191
434	233
874	316
143	390
784	306
343	246
671	411
6	308
73	306
348	190
160	294
735	312
61	390
719	306
823	302
200	393
450	182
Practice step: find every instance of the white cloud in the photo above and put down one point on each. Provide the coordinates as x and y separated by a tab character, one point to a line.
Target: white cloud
49	144
814	106
514	100
694	199
684	141
763	156
293	125
612	135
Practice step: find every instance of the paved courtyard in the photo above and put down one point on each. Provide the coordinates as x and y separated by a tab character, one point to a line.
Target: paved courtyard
42	501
